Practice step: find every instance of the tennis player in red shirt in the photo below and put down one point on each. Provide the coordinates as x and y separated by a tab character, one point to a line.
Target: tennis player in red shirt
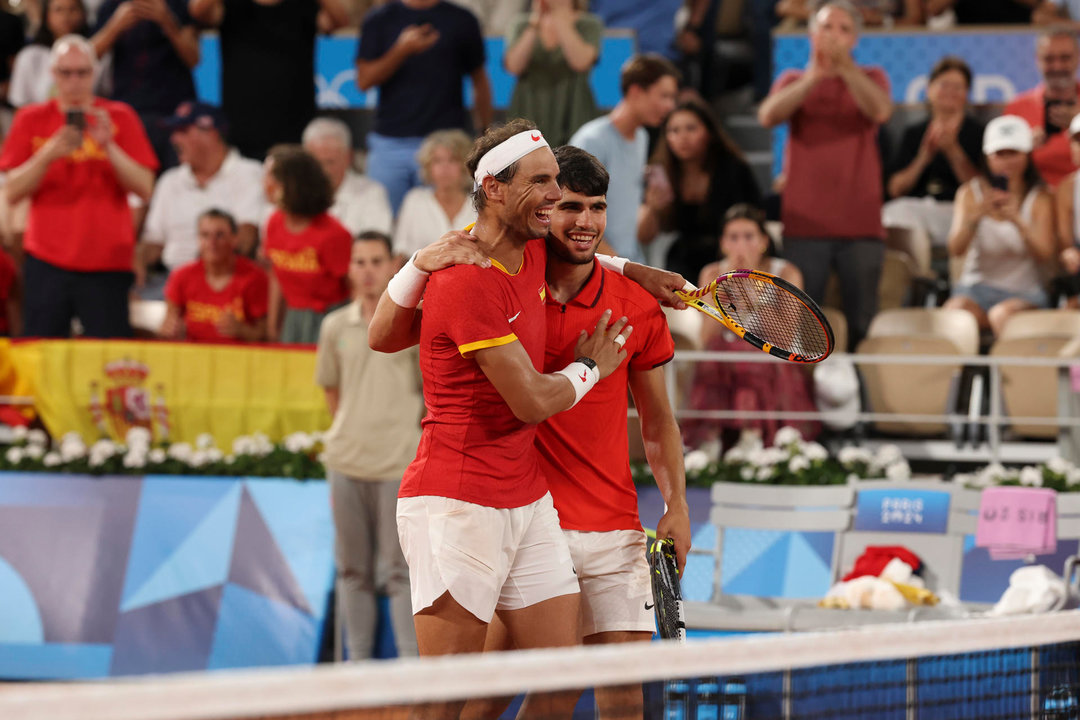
221	296
476	522
584	451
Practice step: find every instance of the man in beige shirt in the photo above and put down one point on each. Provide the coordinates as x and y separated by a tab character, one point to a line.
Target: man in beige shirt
376	401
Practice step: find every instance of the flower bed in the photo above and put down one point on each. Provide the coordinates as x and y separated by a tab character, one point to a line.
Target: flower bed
297	456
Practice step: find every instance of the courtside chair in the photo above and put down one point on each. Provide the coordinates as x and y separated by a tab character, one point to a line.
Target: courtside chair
1033	391
916	389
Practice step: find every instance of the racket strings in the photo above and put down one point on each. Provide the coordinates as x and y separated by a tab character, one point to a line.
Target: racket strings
773	313
666	594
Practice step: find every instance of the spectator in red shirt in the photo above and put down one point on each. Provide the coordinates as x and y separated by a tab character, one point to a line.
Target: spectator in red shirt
1051	105
833	195
77	157
222	295
308	249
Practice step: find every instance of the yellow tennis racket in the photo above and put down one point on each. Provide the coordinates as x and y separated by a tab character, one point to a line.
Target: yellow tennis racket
768	312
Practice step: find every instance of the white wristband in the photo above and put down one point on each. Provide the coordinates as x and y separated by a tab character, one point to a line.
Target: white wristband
582	377
614	264
407	286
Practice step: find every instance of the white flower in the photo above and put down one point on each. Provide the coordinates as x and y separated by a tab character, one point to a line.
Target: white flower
799	463
887	455
298	442
263	446
851	455
157	455
1072	478
135	458
37	437
746	472
198	458
101	451
1031	476
19	432
735	455
34	452
898	471
181	451
72	448
14	455
763	473
230	459
852	478
138	437
52	459
695	461
243	445
214	455
317	436
204	441
1058	466
787	435
814	451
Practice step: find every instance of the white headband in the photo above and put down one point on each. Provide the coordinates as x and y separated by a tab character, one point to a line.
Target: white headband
507	153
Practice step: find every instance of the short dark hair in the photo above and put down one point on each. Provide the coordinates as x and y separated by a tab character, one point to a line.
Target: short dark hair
306	190
376	236
484	144
645	70
581	172
948	64
219	214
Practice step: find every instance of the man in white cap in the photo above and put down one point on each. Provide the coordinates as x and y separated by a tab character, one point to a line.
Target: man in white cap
476	523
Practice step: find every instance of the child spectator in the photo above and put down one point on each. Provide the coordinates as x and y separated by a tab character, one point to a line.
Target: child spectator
220	296
751	386
442	203
307	248
1003	229
698	173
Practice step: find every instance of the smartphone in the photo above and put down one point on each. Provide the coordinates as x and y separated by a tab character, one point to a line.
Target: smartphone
76	118
999	182
1050	127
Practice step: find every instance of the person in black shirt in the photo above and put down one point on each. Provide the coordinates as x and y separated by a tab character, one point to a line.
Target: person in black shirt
936	156
697	174
268	65
154	44
418	52
986	12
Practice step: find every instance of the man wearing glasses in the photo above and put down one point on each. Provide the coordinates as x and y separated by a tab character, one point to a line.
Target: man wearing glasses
77	157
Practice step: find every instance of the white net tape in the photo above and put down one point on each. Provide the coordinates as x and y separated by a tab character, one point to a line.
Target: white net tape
378	684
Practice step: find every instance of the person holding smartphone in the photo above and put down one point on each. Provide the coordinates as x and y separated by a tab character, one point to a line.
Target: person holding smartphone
1050	106
1003	229
77	157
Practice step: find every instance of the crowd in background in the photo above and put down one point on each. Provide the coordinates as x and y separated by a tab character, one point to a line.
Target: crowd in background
120	183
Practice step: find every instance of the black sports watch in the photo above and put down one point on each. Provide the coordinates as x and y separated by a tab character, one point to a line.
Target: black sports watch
586	361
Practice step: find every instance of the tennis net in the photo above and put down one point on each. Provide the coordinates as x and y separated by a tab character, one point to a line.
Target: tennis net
1024	667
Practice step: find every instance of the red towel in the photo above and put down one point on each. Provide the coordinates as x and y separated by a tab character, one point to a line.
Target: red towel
876	557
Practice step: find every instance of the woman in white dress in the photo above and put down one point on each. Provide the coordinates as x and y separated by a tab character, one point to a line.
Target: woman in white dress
442	203
31	80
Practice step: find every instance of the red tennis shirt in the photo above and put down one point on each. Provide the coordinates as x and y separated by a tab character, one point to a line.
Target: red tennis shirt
472	447
202	306
584	451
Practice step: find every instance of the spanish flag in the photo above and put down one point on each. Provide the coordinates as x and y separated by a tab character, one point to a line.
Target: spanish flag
103	388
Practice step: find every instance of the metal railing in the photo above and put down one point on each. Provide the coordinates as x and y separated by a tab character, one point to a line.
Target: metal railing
995	418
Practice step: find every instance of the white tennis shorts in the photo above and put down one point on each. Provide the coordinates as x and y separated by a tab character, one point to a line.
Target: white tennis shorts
487	558
613	573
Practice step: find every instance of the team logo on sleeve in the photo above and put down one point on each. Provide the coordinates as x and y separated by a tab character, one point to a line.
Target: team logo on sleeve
543	293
